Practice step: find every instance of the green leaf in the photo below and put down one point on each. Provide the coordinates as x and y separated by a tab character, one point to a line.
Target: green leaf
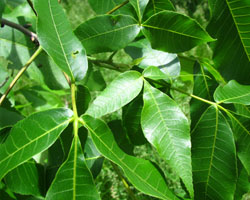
168	63
155	73
83	97
73	179
131	116
233	92
103	6
139	6
141	173
176	27
26	179
58	40
107	33
167	129
121	91
23	142
156	6
213	157
2	6
8	118
230	50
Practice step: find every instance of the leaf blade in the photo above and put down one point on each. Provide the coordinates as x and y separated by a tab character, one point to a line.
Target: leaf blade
58	40
167	129
24	148
120	92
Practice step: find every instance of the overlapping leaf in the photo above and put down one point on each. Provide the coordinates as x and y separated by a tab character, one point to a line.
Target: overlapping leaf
26	179
8	118
233	92
120	92
139	6
2	6
213	157
182	32
107	33
167	129
73	179
231	49
141	173
31	136
58	40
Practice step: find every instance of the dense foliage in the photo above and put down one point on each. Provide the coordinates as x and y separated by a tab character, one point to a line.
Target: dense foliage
154	92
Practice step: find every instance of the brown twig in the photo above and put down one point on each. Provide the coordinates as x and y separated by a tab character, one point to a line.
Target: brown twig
117	7
19	27
32	7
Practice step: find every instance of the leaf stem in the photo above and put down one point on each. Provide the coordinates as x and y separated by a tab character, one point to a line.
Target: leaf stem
22	29
129	191
20	73
117	7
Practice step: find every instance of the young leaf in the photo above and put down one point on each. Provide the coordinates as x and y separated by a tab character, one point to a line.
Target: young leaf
139	6
182	32
26	179
233	92
31	136
58	40
73	179
231	50
120	92
213	157
167	129
141	173
107	33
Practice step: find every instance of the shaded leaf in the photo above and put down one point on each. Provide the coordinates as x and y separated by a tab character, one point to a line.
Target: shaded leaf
104	6
107	33
8	118
229	54
141	173
26	179
57	39
47	125
131	116
213	157
121	91
167	129
233	92
83	98
173	25
73	179
2	6
139	6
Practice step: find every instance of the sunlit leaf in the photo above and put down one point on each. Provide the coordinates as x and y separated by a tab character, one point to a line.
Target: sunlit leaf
213	157
141	173
121	91
139	6
233	92
31	136
55	35
73	179
183	33
107	33
167	129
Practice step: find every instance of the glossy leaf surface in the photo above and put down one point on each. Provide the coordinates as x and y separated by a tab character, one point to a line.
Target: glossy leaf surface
30	136
154	73
58	40
167	129
213	157
73	179
141	173
229	50
121	91
139	6
233	92
107	33
172	25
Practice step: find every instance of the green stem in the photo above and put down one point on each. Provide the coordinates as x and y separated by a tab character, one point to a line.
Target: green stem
20	73
117	7
73	98
129	191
